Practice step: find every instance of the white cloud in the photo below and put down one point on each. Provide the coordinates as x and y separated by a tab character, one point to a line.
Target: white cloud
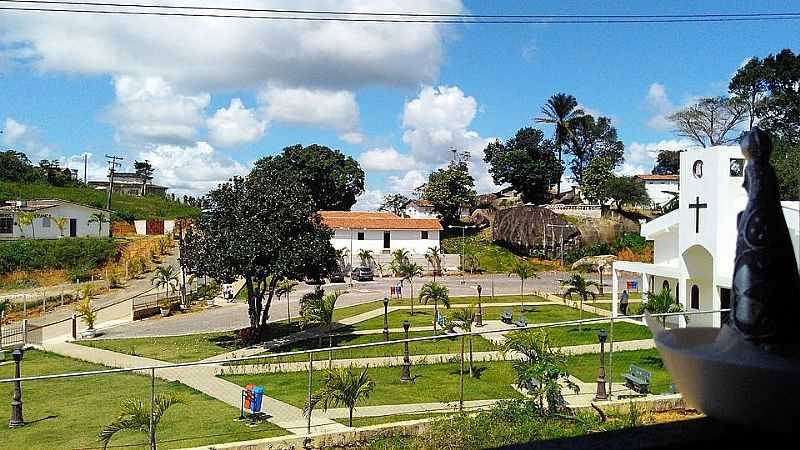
235	125
195	168
147	109
370	200
13	131
659	104
408	182
25	138
216	54
352	137
386	159
336	110
641	157
528	51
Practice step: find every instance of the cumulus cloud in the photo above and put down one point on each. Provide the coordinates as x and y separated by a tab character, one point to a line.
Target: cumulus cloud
659	104
641	157
235	125
13	131
336	110
369	200
147	109
352	137
386	159
408	182
25	138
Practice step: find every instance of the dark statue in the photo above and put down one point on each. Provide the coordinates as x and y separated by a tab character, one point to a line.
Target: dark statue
766	284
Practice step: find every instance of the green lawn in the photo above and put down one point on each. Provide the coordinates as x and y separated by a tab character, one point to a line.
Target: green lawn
69	412
378	420
492	257
433	383
585	367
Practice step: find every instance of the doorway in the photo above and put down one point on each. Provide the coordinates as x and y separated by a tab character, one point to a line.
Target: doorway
73	227
387	239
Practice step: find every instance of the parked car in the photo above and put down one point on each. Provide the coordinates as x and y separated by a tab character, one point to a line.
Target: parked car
361	274
337	276
313	282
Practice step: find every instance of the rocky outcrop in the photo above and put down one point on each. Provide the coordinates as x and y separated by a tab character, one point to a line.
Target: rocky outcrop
606	229
485	201
523	228
482	217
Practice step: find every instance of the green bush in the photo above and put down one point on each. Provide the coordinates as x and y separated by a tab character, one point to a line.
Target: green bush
632	241
73	254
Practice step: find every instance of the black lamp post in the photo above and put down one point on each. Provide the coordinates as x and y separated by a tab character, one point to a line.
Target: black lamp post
385	319
405	376
601	374
479	315
16	404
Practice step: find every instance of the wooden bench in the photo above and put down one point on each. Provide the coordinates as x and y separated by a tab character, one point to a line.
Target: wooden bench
505	317
521	321
637	379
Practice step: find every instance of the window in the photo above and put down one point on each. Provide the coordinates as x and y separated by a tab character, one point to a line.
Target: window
45	221
360	236
695	297
6	225
665	285
423	234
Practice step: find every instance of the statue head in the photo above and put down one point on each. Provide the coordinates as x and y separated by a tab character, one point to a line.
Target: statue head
756	145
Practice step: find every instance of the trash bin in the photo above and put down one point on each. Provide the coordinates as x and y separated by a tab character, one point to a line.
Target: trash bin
248	396
258	394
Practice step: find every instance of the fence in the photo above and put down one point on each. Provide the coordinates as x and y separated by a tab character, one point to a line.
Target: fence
290	378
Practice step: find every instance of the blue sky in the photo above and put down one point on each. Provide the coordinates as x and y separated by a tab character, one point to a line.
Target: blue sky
203	98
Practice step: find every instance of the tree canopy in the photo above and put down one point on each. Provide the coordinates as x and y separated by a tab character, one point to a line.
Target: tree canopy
450	188
15	166
668	162
591	139
711	120
594	184
333	179
528	162
627	191
560	110
394	203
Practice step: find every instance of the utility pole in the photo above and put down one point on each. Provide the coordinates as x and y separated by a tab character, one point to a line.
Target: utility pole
85	164
112	167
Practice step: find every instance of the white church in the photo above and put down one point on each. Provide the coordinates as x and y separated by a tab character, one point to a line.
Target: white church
695	245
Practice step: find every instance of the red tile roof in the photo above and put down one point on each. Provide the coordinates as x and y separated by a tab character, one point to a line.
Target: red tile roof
658	177
375	221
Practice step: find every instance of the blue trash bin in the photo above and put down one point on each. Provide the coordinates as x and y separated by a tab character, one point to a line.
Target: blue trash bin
258	394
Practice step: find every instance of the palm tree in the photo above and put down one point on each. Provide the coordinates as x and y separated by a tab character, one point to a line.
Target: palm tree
165	277
579	286
341	387
61	223
524	270
434	258
408	271
27	218
472	263
465	318
399	257
341	254
319	311
286	287
134	415
662	303
560	110
99	219
366	257
84	307
433	291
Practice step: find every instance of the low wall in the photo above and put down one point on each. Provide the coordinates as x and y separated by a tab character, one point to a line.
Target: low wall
588	211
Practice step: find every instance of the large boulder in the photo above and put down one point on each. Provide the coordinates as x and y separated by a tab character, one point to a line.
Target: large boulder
523	228
482	217
485	200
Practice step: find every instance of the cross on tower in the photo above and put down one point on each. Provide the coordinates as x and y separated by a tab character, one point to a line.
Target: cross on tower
697	206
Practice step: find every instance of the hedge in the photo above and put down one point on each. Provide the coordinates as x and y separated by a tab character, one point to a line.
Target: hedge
65	253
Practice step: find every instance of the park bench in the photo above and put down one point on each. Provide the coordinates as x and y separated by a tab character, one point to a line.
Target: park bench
637	379
521	321
505	317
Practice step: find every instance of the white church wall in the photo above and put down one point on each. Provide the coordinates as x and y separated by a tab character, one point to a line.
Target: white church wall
665	249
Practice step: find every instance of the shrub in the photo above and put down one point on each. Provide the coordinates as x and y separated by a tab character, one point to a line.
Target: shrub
67	253
114	279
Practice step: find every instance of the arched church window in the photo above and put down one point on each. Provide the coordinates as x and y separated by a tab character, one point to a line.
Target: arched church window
695	297
665	285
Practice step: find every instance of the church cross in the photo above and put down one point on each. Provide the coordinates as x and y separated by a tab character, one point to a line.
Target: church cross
697	206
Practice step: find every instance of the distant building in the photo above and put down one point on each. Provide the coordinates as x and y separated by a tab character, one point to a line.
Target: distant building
659	186
130	183
423	209
381	232
77	220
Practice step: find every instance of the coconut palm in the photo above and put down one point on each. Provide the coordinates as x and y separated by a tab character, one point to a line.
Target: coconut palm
84	307
399	257
409	271
99	219
27	219
286	287
434	258
662	303
578	286
318	310
134	415
560	110
61	223
464	319
341	387
341	254
524	270
435	292
165	277
366	257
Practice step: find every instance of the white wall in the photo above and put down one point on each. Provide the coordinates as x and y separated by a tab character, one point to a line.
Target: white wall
373	240
655	189
67	210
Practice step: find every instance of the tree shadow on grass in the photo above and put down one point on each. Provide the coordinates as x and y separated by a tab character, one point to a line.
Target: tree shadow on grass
653	361
477	371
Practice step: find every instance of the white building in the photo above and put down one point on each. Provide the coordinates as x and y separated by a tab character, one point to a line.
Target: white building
77	220
423	209
381	232
659	186
695	245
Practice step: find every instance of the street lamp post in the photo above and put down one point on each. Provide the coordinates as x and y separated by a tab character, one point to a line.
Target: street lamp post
385	319
479	315
601	374
405	376
16	403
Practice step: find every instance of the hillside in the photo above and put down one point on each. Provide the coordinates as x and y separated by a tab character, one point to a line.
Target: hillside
126	207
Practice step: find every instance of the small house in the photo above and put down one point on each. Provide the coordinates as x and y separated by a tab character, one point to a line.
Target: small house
51	219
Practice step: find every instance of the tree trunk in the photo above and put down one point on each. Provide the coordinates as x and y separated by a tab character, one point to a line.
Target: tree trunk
252	312
351	417
273	283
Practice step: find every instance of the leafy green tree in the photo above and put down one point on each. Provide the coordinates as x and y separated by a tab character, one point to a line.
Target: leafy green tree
527	162
594	183
341	387
394	203
710	121
333	180
786	159
54	174
15	166
27	219
750	83
592	139
99	219
134	415
145	171
627	191
668	162
472	263
464	319
560	110
436	293
577	286
449	189
523	270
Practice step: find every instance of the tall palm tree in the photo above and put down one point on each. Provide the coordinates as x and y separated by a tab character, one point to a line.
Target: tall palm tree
165	277
465	318
319	311
435	292
578	286
434	258
341	254
341	387
99	219
134	415
365	255
286	287
61	223
560	110
524	270
409	271
27	219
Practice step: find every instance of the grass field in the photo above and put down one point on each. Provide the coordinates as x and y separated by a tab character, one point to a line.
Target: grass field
585	367
433	383
377	420
70	412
